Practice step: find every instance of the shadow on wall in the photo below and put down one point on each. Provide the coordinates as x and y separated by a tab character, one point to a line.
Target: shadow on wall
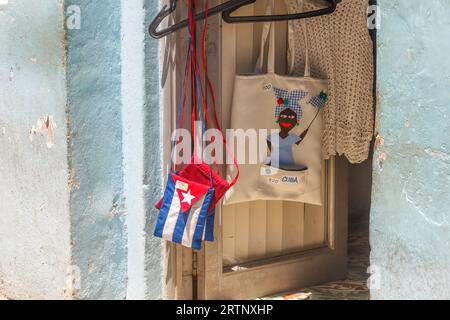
360	190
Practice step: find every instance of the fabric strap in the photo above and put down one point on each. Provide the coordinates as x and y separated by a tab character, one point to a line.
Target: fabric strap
291	41
199	103
269	29
181	108
213	100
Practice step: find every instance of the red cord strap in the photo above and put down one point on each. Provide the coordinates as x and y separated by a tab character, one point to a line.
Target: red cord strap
195	72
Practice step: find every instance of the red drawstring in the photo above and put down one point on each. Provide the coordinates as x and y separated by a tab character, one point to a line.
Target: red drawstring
183	107
213	98
194	68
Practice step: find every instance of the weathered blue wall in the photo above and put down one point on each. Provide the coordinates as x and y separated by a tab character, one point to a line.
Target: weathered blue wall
34	214
79	150
95	150
410	227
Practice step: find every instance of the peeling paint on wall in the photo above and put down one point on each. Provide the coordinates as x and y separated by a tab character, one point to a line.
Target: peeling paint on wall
73	183
379	142
45	127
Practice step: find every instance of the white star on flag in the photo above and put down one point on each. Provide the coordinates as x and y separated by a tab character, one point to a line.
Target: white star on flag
187	197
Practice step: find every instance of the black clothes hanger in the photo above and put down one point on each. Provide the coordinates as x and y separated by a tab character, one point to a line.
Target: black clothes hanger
226	15
166	11
227	9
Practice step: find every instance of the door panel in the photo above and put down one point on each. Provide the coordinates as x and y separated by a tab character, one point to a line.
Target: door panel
257	230
267	229
267	247
293	226
315	226
242	224
300	268
274	235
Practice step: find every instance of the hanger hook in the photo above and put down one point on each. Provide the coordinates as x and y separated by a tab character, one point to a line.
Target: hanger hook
173	5
163	14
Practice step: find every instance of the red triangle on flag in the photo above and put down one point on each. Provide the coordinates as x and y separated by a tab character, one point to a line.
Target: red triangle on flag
189	192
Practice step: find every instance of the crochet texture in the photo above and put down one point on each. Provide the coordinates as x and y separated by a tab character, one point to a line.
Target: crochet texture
341	50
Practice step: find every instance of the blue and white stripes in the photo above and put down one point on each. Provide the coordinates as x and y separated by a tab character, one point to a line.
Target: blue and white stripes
186	228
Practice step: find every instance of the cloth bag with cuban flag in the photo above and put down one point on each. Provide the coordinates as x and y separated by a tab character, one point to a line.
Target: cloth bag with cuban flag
187	209
286	112
183	213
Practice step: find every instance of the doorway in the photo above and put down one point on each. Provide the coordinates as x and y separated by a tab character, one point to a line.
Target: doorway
264	248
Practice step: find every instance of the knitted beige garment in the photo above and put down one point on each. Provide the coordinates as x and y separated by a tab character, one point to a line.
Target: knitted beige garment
340	49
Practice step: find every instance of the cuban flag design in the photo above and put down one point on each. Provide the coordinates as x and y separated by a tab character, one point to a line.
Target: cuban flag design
183	214
208	235
201	173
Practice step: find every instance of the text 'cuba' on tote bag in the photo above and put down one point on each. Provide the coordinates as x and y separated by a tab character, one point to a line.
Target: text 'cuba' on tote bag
286	113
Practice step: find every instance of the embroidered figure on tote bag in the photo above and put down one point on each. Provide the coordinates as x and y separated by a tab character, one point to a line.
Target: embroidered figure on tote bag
288	114
289	167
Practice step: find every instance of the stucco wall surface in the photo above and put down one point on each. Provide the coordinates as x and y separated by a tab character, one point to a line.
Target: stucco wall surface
410	219
80	150
95	150
34	203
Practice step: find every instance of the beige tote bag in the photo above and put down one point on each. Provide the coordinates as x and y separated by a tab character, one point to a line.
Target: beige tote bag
285	114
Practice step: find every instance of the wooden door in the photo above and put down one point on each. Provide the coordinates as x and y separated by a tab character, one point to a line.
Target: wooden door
268	247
